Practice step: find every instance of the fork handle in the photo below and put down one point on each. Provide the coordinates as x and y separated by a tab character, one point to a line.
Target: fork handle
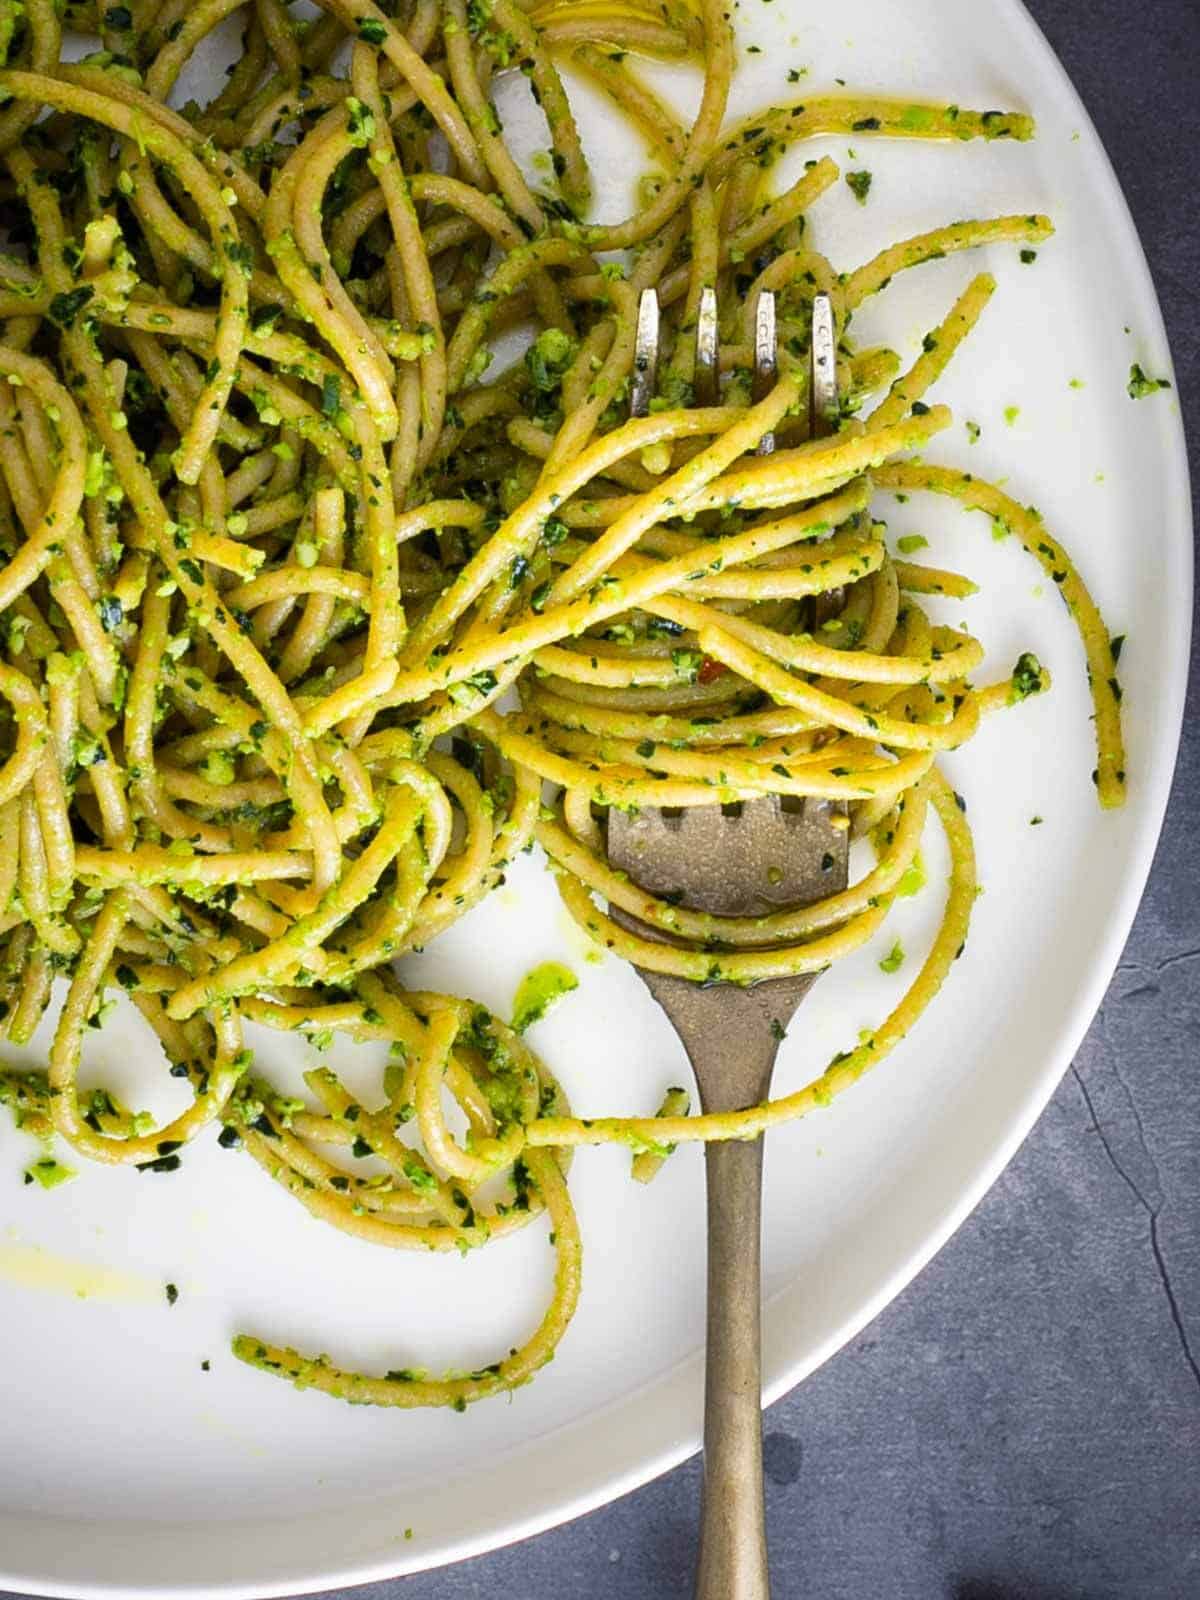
733	1535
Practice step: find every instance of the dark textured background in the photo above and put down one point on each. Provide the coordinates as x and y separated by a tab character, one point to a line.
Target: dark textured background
1023	1423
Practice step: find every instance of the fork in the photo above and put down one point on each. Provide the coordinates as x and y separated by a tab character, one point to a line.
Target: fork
741	860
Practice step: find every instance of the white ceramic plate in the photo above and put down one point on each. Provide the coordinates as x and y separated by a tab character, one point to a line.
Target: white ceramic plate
125	1467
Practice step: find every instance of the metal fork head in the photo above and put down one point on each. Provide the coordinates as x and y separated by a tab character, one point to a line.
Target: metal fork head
743	861
765	853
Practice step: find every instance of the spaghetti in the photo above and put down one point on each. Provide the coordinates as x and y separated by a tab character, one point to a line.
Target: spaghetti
303	606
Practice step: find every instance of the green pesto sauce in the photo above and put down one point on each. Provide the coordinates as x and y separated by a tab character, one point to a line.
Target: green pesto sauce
894	959
538	991
1140	385
918	119
912	880
860	185
49	1173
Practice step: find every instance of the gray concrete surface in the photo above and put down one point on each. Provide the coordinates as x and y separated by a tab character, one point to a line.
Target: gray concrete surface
1024	1422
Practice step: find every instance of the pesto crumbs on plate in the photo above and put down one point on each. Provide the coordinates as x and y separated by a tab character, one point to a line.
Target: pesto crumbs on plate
49	1173
1140	386
894	959
859	184
538	991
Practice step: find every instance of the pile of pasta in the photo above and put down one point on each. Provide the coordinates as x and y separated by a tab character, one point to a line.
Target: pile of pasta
311	619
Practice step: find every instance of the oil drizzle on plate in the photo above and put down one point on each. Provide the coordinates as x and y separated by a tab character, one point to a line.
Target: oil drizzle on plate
28	1266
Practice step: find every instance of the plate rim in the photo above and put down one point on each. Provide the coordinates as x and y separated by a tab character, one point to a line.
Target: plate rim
607	1484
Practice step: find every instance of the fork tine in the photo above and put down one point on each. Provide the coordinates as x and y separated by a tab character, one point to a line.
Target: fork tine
823	417
645	355
706	378
766	363
823	394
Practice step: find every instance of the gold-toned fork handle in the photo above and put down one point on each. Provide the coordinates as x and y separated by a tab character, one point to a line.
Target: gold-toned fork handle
733	1532
732	1564
731	1036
